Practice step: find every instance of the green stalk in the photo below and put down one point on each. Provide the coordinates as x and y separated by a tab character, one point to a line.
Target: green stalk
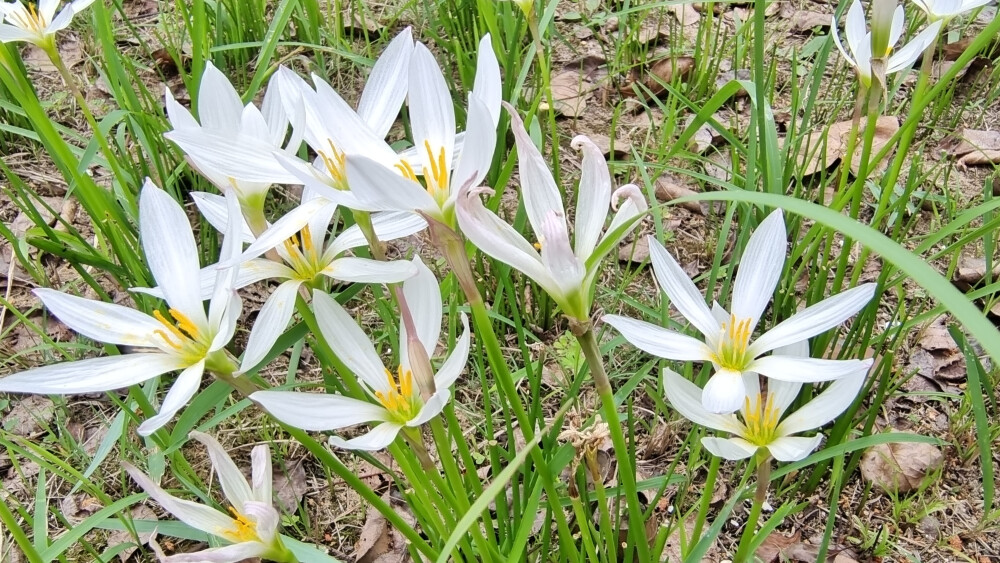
763	482
706	496
626	466
852	142
20	538
590	460
124	180
452	246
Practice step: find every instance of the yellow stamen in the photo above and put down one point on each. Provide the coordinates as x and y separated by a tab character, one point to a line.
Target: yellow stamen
245	529
399	398
733	344
174	330
406	170
439	168
538	245
184	323
305	237
335	164
761	420
28	19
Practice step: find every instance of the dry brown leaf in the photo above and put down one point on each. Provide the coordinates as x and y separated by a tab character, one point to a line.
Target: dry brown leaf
973	147
28	415
719	165
805	21
622	147
636	251
774	545
569	92
651	35
666	70
728	76
290	485
971	271
686	14
836	139
139	512
901	467
375	538
936	355
669	188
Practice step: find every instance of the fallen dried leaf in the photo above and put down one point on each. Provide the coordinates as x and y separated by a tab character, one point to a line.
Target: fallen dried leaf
774	545
805	21
569	92
663	71
669	188
686	14
290	485
29	415
139	512
621	149
826	146
636	251
937	356
901	467
972	147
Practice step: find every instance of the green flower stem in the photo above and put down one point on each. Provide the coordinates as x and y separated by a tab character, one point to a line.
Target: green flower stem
438	511
581	517
626	466
852	142
706	496
763	483
81	100
590	460
326	355
452	246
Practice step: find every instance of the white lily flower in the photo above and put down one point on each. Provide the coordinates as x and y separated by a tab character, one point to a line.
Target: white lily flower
228	127
186	339
728	344
36	23
565	270
252	525
760	423
860	43
398	402
945	10
394	185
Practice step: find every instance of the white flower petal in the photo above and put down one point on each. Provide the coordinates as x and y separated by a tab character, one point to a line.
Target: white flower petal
266	519
180	393
104	322
289	224
392	225
659	341
196	515
593	197
855	27
94	375
788	448
47	8
423	298
227	554
318	412
538	189
234	484
178	115
364	270
898	21
171	252
230	155
760	269
226	327
453	367
826	406
725	392
686	397
681	290
909	53
262	481
487	86
557	256
806	370
61	21
330	120
814	320
499	240
387	84
271	322
377	438
383	189
836	40
219	105
432	115
213	208
733	449
348	341
629	210
431	408
480	142
781	394
10	33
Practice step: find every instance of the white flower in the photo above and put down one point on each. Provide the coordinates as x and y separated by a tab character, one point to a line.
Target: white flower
760	423
861	46
228	127
727	335
185	339
947	9
252	527
565	270
37	25
394	185
398	402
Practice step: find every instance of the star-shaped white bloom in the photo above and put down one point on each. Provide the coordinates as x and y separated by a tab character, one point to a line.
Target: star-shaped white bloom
36	24
186	338
251	527
397	402
728	345
947	9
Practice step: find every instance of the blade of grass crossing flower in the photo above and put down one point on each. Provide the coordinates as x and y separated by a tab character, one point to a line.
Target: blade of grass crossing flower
279	22
975	389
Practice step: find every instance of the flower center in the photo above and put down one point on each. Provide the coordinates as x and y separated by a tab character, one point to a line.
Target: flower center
761	420
27	17
335	163
182	335
731	350
302	255
435	173
244	529
400	398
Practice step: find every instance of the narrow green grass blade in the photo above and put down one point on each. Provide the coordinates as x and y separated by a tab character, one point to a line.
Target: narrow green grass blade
73	535
975	390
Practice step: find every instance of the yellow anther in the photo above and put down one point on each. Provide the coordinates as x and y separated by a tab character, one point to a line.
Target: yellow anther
439	169
29	18
406	170
733	344
335	163
184	323
174	329
761	419
399	398
538	245
305	237
244	528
